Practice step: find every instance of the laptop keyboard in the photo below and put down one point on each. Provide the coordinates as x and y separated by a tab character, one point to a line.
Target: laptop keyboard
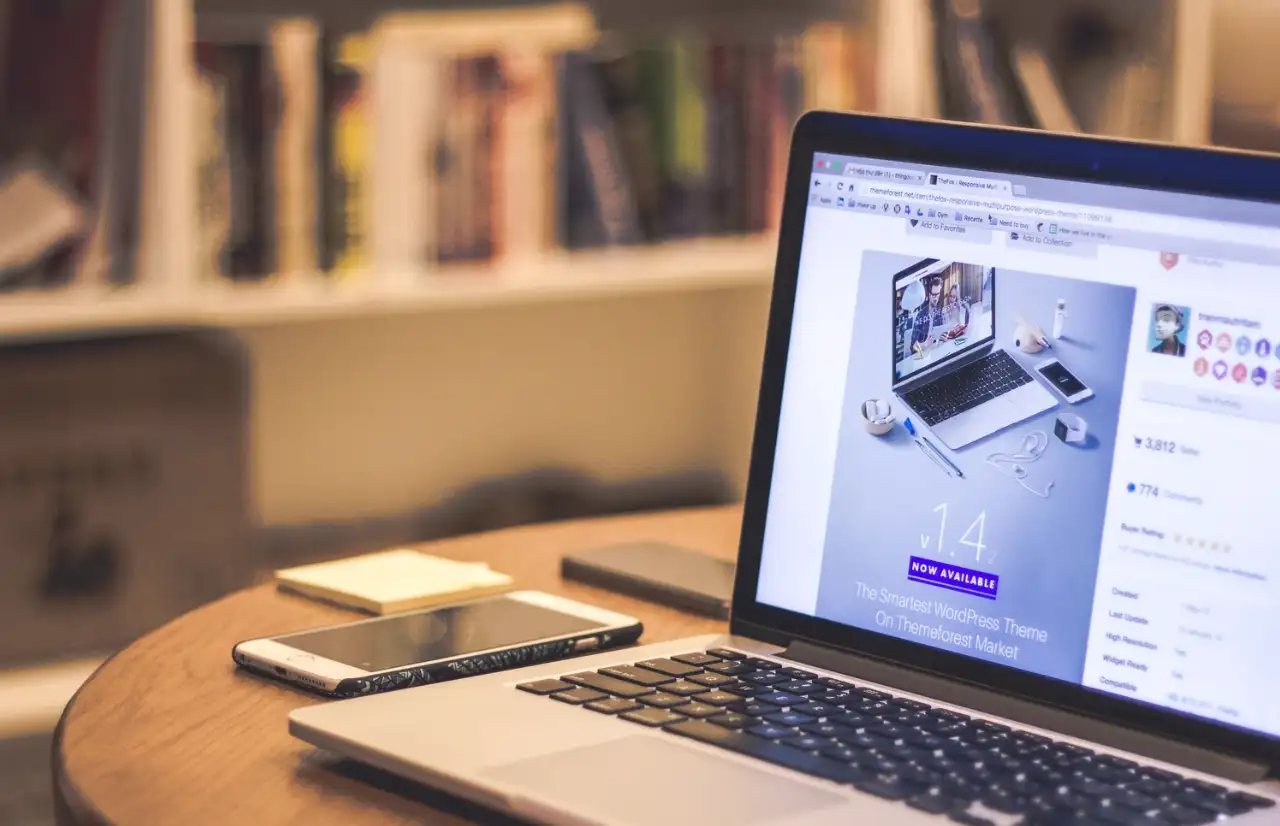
968	387
933	759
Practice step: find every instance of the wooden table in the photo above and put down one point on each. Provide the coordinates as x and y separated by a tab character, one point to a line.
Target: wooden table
169	732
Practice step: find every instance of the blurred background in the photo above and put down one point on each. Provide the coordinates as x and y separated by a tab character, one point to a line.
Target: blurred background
283	280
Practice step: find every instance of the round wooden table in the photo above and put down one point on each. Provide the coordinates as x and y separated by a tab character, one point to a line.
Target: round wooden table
168	731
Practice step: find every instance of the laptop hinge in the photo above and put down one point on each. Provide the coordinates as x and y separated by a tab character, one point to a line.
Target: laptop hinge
1028	712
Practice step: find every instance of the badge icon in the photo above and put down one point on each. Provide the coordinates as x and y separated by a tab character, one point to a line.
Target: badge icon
1259	376
1239	373
1262	348
1224	342
1219	369
1202	366
1168	260
1205	339
1243	345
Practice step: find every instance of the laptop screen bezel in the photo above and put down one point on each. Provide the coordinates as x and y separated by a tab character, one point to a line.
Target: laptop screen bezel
936	368
1232	174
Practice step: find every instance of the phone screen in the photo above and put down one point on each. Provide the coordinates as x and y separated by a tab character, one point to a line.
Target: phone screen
408	639
1067	384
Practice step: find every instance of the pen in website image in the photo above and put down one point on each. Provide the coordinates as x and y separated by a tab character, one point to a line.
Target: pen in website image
929	447
933	457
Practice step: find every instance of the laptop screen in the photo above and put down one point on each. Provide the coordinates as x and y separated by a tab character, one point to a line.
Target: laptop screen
941	310
1100	533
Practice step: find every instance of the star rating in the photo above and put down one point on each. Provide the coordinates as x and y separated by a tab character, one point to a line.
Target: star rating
1211	545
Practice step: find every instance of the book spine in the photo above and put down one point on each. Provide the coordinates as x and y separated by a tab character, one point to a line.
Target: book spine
346	143
606	177
788	105
524	146
295	53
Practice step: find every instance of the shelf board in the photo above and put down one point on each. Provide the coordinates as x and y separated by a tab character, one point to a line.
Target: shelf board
32	699
687	266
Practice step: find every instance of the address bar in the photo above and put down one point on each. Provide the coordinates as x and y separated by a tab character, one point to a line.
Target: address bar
1117	219
1035	209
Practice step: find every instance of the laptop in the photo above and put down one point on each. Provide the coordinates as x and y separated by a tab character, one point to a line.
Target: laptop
947	366
913	647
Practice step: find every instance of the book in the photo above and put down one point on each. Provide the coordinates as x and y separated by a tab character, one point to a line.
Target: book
295	50
58	109
977	83
346	126
393	581
238	114
1040	87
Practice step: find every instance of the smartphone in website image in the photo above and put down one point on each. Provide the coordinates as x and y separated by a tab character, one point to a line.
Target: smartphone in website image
1062	381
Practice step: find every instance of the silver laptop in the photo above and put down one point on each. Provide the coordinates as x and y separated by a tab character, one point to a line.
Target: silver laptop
912	647
947	366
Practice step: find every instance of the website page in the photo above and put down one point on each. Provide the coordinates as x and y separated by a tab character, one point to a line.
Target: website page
1032	433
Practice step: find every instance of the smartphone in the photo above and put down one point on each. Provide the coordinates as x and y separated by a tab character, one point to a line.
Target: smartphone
1063	381
658	572
438	644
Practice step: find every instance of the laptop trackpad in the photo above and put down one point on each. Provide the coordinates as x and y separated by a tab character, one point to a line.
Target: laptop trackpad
656	780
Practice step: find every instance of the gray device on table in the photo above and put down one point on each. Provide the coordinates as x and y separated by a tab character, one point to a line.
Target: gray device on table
659	572
909	649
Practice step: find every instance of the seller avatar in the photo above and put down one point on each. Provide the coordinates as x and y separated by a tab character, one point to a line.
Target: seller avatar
1168	330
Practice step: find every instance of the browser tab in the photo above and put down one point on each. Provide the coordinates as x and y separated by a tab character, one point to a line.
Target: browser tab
884	173
987	185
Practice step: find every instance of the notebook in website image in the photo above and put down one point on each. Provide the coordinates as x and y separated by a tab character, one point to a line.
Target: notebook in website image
1062	619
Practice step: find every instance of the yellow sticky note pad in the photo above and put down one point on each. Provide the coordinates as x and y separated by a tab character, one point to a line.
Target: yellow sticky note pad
392	581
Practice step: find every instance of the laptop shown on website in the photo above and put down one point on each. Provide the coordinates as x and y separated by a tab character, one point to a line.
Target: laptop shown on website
947	367
1068	620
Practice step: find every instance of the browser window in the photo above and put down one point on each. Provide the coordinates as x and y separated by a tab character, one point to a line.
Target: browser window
1027	428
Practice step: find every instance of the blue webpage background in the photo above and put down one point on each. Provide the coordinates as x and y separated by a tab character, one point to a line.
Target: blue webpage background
885	491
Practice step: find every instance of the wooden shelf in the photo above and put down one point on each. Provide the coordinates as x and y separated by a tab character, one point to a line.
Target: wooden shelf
692	266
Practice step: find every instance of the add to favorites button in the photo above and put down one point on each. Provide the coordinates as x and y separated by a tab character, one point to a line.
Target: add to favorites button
953	577
1208	401
944	229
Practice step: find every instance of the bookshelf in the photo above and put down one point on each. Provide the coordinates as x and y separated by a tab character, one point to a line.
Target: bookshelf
705	265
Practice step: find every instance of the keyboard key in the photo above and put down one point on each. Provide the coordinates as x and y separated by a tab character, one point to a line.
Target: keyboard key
712	680
670	667
799	687
697	710
731	669
988	726
827	730
799	673
639	676
545	686
663	700
807	742
613	706
696	658
653	717
578	696
684	688
772	732
789	718
781	699
752	708
817	709
731	720
764	678
717	698
839	685
726	654
835	697
746	689
1244	802
609	685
